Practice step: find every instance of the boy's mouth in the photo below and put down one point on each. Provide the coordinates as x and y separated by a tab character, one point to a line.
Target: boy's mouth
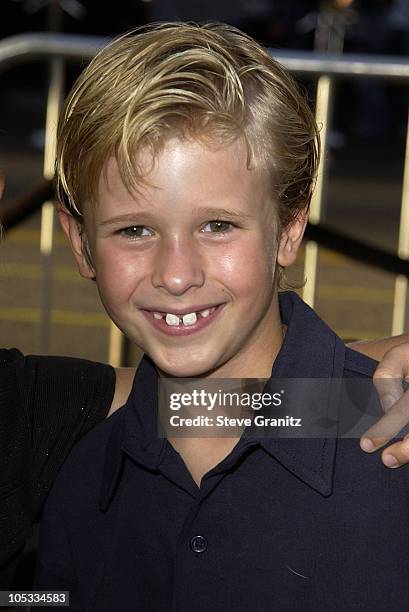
183	322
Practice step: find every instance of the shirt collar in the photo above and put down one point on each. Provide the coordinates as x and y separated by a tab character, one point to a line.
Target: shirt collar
310	350
135	431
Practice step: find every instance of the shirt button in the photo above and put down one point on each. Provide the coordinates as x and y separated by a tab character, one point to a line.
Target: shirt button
198	544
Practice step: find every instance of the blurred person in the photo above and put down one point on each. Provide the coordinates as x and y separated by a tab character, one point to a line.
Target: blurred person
330	21
190	206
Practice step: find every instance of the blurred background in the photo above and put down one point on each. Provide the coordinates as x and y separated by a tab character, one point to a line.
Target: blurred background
45	307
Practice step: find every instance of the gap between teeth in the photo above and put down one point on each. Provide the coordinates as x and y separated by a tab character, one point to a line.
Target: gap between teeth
187	319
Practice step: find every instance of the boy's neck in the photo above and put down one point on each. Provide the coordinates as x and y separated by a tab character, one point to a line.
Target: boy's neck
256	365
262	368
259	358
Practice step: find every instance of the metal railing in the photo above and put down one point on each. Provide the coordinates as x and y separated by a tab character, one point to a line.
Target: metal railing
61	48
328	68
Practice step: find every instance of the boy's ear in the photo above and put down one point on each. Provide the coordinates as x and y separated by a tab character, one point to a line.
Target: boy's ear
291	238
74	233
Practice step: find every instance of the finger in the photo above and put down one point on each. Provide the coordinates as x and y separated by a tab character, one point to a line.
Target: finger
389	389
397	454
388	426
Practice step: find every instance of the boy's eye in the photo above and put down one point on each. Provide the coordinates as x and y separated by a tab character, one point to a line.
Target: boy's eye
135	231
217	226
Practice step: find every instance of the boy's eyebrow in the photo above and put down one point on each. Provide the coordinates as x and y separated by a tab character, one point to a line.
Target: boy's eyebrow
129	218
205	211
223	212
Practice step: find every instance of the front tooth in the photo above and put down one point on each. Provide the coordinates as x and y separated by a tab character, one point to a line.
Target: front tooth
157	315
172	319
189	319
205	313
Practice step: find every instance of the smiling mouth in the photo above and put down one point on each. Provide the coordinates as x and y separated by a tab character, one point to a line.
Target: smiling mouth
182	324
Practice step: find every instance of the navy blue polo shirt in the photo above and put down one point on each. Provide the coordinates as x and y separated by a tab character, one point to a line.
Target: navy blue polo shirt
280	524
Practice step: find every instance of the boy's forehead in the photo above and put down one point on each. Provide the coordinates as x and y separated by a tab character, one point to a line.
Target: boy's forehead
185	180
182	164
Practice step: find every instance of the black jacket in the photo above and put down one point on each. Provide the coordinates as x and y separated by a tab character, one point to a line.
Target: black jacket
46	405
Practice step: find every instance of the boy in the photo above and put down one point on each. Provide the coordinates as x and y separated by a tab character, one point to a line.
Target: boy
186	162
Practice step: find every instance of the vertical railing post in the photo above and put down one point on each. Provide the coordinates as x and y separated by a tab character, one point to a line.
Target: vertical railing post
401	282
323	112
54	101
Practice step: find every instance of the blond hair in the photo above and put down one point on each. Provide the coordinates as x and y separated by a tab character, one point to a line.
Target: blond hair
210	82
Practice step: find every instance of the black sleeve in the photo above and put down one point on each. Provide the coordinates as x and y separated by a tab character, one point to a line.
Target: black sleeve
15	467
46	405
65	399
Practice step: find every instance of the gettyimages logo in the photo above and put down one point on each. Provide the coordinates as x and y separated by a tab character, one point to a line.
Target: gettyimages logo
200	398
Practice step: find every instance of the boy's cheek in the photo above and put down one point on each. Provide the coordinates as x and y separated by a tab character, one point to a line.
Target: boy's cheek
116	278
116	286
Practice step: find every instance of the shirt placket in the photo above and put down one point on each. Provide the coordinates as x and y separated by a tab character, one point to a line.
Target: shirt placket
198	565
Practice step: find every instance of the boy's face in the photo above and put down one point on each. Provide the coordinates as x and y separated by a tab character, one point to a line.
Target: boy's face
199	242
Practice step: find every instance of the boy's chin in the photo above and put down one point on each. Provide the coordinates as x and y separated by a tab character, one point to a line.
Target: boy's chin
184	369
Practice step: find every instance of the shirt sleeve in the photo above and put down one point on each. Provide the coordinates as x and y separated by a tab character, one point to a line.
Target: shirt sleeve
64	399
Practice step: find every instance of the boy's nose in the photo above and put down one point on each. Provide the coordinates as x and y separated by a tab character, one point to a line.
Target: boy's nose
177	268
